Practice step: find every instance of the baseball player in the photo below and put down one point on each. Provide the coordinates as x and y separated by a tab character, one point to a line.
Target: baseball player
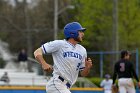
106	84
125	71
69	58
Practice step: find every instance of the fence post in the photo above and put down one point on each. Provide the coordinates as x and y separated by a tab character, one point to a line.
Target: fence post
137	62
101	64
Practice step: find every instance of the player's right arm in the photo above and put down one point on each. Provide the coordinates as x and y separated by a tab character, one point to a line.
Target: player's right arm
39	57
115	74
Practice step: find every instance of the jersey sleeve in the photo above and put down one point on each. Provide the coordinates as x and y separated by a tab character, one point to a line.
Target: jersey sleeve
82	66
51	46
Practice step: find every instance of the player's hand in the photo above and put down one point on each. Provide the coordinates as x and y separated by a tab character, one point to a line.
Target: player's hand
114	89
47	67
139	84
88	63
113	86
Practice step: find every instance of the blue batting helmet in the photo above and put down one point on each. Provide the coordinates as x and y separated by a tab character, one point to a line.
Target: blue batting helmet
71	30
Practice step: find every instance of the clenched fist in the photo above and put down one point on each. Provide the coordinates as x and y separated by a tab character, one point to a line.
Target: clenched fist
88	63
47	67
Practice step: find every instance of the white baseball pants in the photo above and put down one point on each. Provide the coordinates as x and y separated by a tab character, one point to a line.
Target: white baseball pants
55	85
126	85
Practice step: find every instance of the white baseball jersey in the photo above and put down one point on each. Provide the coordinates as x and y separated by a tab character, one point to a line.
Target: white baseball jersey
68	59
107	85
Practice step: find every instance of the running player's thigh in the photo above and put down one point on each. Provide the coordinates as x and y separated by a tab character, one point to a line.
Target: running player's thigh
55	85
58	91
65	91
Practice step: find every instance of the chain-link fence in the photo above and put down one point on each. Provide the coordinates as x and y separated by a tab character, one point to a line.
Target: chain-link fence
103	62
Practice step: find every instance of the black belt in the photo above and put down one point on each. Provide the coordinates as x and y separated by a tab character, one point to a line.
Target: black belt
62	79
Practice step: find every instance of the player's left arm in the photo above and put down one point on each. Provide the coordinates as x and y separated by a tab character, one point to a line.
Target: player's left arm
135	76
134	73
86	70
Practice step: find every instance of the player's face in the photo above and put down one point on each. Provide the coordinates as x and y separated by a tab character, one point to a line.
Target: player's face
80	37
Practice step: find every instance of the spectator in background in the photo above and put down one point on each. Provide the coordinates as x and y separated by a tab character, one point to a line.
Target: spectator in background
5	78
106	84
22	59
